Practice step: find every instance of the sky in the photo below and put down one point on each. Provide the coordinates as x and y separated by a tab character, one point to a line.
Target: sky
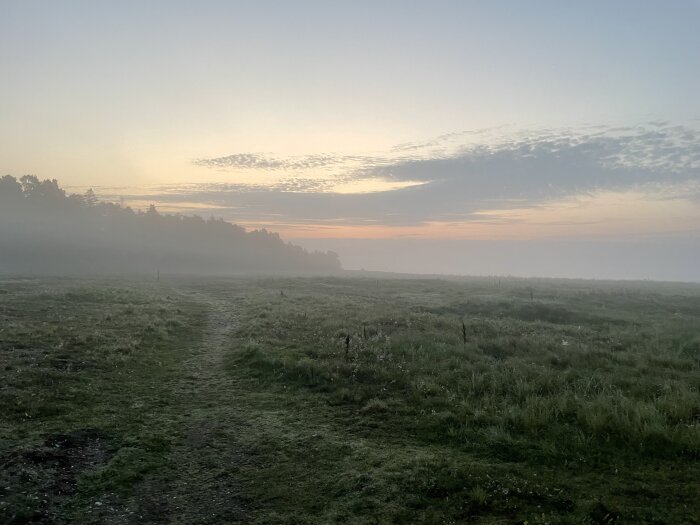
493	135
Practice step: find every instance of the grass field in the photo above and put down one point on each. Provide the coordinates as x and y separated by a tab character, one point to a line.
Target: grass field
452	401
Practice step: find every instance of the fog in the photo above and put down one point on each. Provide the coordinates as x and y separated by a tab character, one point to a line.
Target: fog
44	231
655	259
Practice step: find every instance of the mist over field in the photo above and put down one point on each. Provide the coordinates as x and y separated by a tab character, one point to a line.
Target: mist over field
626	258
44	231
430	262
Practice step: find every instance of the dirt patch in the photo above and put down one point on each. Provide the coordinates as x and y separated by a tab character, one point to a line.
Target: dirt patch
34	483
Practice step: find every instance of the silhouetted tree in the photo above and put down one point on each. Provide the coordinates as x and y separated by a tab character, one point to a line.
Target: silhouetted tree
44	230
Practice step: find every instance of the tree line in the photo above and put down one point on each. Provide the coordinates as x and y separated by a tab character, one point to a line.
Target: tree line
45	230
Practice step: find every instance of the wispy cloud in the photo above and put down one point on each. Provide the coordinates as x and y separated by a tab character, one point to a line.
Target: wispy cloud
263	162
459	175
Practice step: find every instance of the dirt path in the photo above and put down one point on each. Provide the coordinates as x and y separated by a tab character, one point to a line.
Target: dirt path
207	458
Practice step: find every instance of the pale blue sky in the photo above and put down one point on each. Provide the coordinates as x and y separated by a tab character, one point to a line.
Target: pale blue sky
119	81
295	115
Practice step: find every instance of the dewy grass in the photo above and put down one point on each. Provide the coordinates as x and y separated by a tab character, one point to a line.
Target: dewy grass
84	367
581	387
244	401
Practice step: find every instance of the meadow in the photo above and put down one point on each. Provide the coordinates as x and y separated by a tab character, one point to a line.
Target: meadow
349	400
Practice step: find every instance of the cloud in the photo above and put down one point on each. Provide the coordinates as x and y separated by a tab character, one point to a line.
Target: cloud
259	161
461	174
554	165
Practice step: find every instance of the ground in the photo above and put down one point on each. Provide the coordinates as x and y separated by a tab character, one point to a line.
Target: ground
349	400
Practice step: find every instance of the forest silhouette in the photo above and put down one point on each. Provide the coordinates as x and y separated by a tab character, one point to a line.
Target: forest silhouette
44	230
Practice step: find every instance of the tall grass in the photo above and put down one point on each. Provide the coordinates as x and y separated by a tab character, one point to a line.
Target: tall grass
562	381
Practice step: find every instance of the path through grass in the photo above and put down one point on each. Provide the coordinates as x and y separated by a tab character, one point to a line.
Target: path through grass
234	401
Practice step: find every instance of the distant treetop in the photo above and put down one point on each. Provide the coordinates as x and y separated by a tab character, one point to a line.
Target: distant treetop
44	230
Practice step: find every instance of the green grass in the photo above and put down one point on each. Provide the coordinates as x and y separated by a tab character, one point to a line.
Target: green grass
84	371
222	401
553	409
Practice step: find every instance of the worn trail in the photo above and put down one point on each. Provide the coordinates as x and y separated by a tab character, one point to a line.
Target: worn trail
205	486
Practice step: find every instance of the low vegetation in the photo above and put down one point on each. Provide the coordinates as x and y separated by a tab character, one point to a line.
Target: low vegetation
84	371
473	401
579	403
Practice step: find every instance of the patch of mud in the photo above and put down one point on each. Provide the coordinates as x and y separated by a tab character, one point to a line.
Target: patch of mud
36	483
66	363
